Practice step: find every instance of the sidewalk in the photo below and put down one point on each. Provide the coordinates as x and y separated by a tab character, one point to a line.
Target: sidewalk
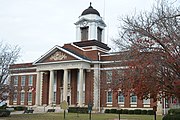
22	112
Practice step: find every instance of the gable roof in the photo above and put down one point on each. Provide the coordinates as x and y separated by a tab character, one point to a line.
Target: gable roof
53	50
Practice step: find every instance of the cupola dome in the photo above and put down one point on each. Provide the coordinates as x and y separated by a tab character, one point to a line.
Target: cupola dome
90	10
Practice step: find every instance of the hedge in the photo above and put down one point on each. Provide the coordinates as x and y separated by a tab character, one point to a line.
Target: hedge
79	110
173	114
150	112
20	108
4	113
174	111
125	111
119	111
107	111
137	111
143	112
3	106
113	110
171	117
130	111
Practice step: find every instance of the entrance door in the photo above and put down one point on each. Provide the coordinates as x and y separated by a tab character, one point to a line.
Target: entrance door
68	100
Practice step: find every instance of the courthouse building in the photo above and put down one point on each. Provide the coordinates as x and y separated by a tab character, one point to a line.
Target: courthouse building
74	72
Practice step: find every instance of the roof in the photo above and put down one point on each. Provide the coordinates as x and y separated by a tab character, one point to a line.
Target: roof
92	43
90	10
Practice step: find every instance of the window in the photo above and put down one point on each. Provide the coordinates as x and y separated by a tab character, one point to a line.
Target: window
23	80
83	97
120	98
109	97
30	80
109	76
30	97
69	77
133	99
84	33
77	96
15	80
54	97
146	101
22	97
99	33
121	74
15	97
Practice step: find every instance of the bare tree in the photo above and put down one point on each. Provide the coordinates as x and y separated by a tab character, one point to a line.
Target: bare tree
8	55
153	42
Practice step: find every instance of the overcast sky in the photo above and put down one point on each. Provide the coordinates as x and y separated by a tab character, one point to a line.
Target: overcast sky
38	25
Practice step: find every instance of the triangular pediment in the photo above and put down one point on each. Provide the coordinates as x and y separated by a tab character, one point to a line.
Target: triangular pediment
57	54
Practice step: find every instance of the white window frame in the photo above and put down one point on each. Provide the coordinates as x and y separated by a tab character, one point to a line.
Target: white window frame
23	80
109	97
120	95
109	76
146	101
22	97
54	96
30	81
15	97
29	96
132	96
15	80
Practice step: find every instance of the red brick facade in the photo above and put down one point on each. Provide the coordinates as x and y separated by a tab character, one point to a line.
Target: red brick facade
29	69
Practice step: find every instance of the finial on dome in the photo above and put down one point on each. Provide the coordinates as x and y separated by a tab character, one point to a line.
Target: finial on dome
90	5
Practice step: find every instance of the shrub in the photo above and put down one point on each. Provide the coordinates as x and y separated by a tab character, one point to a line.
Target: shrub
143	112
107	111
3	106
137	111
83	110
174	111
150	112
119	111
130	111
72	110
20	108
4	113
125	111
113	110
171	117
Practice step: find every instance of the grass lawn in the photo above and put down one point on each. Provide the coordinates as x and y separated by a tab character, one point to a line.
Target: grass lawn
73	116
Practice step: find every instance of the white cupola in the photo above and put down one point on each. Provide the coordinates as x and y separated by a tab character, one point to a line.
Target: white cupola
90	26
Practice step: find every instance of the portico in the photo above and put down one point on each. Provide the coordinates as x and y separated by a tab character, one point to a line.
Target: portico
64	79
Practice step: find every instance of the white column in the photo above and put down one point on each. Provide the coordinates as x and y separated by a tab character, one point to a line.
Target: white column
96	86
92	31
78	33
65	84
51	85
80	87
159	108
38	86
41	82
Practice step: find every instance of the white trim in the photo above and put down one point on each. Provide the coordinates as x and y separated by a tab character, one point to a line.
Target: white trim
134	105
97	48
77	46
51	50
114	53
109	105
145	105
111	68
24	68
70	61
31	73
